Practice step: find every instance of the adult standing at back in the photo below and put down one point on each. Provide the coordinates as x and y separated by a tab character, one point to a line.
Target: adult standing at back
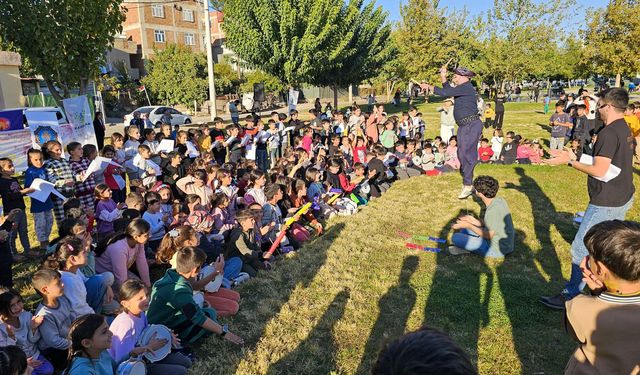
499	108
469	124
607	200
99	129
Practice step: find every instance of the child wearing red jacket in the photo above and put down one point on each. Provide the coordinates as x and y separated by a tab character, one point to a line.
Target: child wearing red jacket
484	151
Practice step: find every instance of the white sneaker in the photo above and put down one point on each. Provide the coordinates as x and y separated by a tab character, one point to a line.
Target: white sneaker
466	192
455	250
242	277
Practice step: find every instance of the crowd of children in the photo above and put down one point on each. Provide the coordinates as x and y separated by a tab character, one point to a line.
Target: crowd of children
210	212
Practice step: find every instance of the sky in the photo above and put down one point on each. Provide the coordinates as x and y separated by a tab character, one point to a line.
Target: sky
478	6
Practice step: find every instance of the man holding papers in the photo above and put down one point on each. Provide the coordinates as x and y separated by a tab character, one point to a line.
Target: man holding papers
610	182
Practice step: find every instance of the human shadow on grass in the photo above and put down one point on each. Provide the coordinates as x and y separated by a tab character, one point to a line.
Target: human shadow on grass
544	127
394	309
456	304
544	216
537	333
264	296
316	354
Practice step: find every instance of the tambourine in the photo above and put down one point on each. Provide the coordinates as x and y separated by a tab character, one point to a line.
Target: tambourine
214	284
132	366
161	332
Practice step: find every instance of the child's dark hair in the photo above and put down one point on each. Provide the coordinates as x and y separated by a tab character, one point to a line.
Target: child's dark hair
71	203
66	226
42	278
73	145
99	190
88	149
311	174
616	244
13	361
189	258
219	199
486	185
484	140
6	296
33	151
243	214
136	227
152	198
271	190
67	247
107	148
172	241
255	175
426	351
82	329
130	288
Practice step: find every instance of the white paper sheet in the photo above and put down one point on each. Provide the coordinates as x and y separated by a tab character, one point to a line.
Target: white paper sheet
166	145
612	172
98	165
192	151
43	189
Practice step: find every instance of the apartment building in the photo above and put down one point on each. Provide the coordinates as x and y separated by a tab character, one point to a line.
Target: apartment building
161	22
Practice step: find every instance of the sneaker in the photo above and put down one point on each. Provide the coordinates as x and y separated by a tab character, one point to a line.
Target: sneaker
455	250
466	192
556	302
242	277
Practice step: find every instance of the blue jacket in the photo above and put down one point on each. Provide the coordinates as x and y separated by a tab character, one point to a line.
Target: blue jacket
29	175
466	103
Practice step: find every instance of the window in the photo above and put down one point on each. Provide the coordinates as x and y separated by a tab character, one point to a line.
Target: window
187	15
159	36
157	11
189	39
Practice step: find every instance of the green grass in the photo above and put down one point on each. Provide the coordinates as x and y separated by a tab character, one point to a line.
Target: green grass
329	307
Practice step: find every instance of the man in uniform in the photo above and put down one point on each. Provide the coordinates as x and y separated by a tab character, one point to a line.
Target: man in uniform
466	115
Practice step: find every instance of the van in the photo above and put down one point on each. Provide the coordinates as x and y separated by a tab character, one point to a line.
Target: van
62	119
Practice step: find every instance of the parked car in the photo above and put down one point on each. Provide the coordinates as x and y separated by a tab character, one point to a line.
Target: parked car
154	114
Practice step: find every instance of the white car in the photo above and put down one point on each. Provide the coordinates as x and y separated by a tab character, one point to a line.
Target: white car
62	119
154	115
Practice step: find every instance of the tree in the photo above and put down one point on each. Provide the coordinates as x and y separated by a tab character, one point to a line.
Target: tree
271	83
226	78
363	51
392	72
307	41
428	36
64	40
176	75
612	39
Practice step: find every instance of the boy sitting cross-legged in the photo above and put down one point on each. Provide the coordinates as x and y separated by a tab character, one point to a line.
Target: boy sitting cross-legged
172	301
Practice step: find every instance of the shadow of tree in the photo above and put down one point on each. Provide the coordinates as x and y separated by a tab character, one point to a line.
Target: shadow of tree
312	351
263	298
395	307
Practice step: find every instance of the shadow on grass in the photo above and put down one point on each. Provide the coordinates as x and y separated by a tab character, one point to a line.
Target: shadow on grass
395	307
544	216
263	298
544	127
456	303
535	329
319	342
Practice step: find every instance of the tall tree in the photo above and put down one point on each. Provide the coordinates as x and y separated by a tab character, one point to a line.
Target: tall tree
64	40
612	39
307	41
428	36
176	75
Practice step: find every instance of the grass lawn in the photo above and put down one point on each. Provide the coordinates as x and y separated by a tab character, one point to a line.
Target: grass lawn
329	307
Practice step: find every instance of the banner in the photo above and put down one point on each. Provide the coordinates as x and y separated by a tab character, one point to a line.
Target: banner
14	145
43	127
80	116
11	120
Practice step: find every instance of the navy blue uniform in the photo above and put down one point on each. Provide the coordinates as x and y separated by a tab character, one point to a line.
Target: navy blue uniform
465	112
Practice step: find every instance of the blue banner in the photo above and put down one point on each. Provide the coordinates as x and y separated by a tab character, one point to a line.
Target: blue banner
11	120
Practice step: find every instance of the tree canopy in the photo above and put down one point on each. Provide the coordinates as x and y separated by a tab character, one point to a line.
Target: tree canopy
63	40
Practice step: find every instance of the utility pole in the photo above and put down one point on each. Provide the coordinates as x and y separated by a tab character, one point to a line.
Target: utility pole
207	42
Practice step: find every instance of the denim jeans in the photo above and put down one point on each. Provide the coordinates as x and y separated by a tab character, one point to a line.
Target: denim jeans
262	159
97	288
21	231
468	240
592	216
232	267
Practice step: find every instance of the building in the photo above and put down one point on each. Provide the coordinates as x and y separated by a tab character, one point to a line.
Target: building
153	25
10	84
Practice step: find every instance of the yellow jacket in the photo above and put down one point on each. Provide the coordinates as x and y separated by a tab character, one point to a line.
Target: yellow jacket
634	124
490	114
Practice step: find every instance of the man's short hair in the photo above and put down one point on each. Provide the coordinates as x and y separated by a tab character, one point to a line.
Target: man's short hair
616	244
426	351
486	185
617	97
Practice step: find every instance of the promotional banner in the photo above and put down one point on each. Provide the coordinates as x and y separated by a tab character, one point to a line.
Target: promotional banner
14	145
11	120
80	116
43	127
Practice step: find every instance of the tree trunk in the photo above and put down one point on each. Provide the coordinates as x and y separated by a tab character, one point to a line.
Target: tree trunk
335	96
54	92
618	79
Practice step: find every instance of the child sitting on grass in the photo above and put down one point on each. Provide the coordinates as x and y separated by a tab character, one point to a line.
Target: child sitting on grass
172	302
607	323
90	338
242	243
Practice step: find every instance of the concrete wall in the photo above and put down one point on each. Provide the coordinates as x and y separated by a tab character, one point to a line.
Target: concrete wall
10	86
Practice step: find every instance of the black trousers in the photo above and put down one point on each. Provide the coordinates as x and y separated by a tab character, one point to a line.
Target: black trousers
498	121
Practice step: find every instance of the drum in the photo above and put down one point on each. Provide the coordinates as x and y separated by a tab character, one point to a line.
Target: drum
214	284
132	366
161	332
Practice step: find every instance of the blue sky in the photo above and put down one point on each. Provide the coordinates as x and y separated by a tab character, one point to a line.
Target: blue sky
477	6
